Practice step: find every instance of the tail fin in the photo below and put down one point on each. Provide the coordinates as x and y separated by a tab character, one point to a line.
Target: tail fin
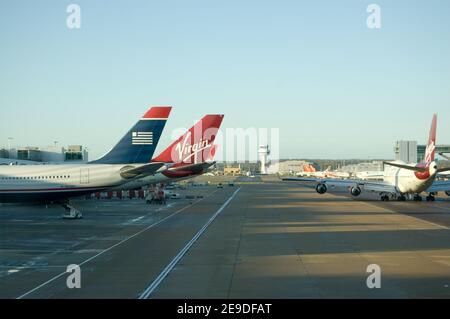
195	145
308	168
139	144
431	146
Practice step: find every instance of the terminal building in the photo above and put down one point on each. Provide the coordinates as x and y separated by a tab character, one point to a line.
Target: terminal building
232	171
439	149
29	154
50	154
374	166
410	152
75	153
406	151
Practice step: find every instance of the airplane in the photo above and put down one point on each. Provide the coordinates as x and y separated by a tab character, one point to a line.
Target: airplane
190	155
127	161
400	179
310	170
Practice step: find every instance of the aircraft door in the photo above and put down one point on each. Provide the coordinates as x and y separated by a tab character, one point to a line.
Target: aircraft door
84	176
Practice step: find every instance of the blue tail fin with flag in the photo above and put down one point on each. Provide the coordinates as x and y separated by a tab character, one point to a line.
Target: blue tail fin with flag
139	144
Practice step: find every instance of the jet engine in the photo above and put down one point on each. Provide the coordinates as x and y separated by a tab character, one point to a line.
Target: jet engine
355	191
321	188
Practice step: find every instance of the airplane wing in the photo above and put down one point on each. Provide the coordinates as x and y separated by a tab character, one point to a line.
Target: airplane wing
443	167
439	186
129	172
379	187
370	186
408	167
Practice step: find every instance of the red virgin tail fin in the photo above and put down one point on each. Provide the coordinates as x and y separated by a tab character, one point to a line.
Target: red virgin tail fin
431	146
196	145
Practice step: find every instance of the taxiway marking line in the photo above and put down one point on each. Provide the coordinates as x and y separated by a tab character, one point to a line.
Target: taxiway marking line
154	285
391	210
114	246
424	221
138	219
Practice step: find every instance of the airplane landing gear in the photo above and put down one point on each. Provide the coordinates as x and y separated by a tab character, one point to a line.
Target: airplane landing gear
384	198
431	198
401	198
71	212
417	198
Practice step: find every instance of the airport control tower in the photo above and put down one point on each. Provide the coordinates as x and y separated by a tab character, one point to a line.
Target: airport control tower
263	152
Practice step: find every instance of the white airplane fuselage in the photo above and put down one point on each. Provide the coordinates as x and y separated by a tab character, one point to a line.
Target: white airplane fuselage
407	182
53	182
124	162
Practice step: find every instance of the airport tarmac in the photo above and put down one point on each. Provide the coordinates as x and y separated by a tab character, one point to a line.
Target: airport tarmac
264	240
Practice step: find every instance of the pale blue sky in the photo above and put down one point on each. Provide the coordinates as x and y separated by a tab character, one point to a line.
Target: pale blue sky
335	88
